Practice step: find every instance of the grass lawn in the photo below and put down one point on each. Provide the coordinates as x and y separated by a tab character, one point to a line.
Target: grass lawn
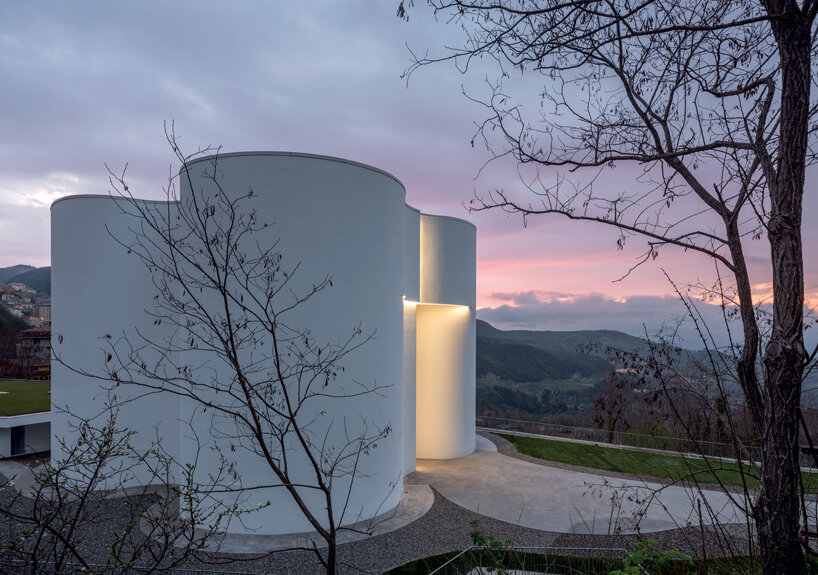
638	462
735	565
24	397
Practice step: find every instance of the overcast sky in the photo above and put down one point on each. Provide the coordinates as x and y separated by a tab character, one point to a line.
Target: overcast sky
86	84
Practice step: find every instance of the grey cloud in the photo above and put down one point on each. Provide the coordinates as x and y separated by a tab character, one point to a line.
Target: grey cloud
636	316
89	84
517	298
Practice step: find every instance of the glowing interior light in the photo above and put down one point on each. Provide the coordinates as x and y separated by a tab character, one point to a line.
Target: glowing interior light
451	305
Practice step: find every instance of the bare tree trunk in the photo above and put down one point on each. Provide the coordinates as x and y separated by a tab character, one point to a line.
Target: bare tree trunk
777	507
332	566
746	364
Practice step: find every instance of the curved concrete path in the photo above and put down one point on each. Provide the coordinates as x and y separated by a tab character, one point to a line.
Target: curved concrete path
515	491
416	501
19	476
565	501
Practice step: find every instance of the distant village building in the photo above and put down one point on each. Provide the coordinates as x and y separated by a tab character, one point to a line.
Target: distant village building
42	313
34	352
26	354
26	303
35	342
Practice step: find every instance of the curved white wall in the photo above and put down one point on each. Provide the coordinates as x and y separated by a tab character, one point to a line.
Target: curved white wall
446	338
345	220
98	289
448	261
406	277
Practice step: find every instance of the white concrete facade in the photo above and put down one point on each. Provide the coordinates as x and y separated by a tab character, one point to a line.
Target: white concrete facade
407	277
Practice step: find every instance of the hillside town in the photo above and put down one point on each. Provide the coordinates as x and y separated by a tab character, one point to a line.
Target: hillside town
25	332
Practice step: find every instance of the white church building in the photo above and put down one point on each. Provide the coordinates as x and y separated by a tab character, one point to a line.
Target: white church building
407	278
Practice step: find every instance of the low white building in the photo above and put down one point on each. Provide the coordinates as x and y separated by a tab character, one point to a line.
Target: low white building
409	278
23	434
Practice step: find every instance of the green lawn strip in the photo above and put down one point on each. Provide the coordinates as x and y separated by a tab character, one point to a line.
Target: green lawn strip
24	397
738	565
513	561
637	462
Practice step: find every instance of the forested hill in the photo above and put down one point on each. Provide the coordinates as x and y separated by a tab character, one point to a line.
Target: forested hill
568	341
6	274
521	362
542	374
36	278
531	356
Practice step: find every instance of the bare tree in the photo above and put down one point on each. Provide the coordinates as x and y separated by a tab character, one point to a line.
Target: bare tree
81	512
10	327
711	100
260	383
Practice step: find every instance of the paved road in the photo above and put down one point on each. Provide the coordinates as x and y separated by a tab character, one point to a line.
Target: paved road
566	501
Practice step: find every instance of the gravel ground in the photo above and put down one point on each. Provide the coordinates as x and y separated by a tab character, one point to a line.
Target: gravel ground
444	528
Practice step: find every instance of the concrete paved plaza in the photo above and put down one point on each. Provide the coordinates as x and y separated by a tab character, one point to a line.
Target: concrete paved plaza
565	501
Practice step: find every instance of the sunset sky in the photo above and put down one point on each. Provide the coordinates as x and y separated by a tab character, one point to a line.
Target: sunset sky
89	84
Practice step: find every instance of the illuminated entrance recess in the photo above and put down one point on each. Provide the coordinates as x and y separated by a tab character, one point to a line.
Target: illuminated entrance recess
445	324
406	276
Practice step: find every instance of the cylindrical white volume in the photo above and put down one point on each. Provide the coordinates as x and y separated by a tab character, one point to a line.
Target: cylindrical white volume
330	218
446	338
100	294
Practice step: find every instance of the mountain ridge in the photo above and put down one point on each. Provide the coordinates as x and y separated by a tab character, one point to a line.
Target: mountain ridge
8	274
523	356
571	340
